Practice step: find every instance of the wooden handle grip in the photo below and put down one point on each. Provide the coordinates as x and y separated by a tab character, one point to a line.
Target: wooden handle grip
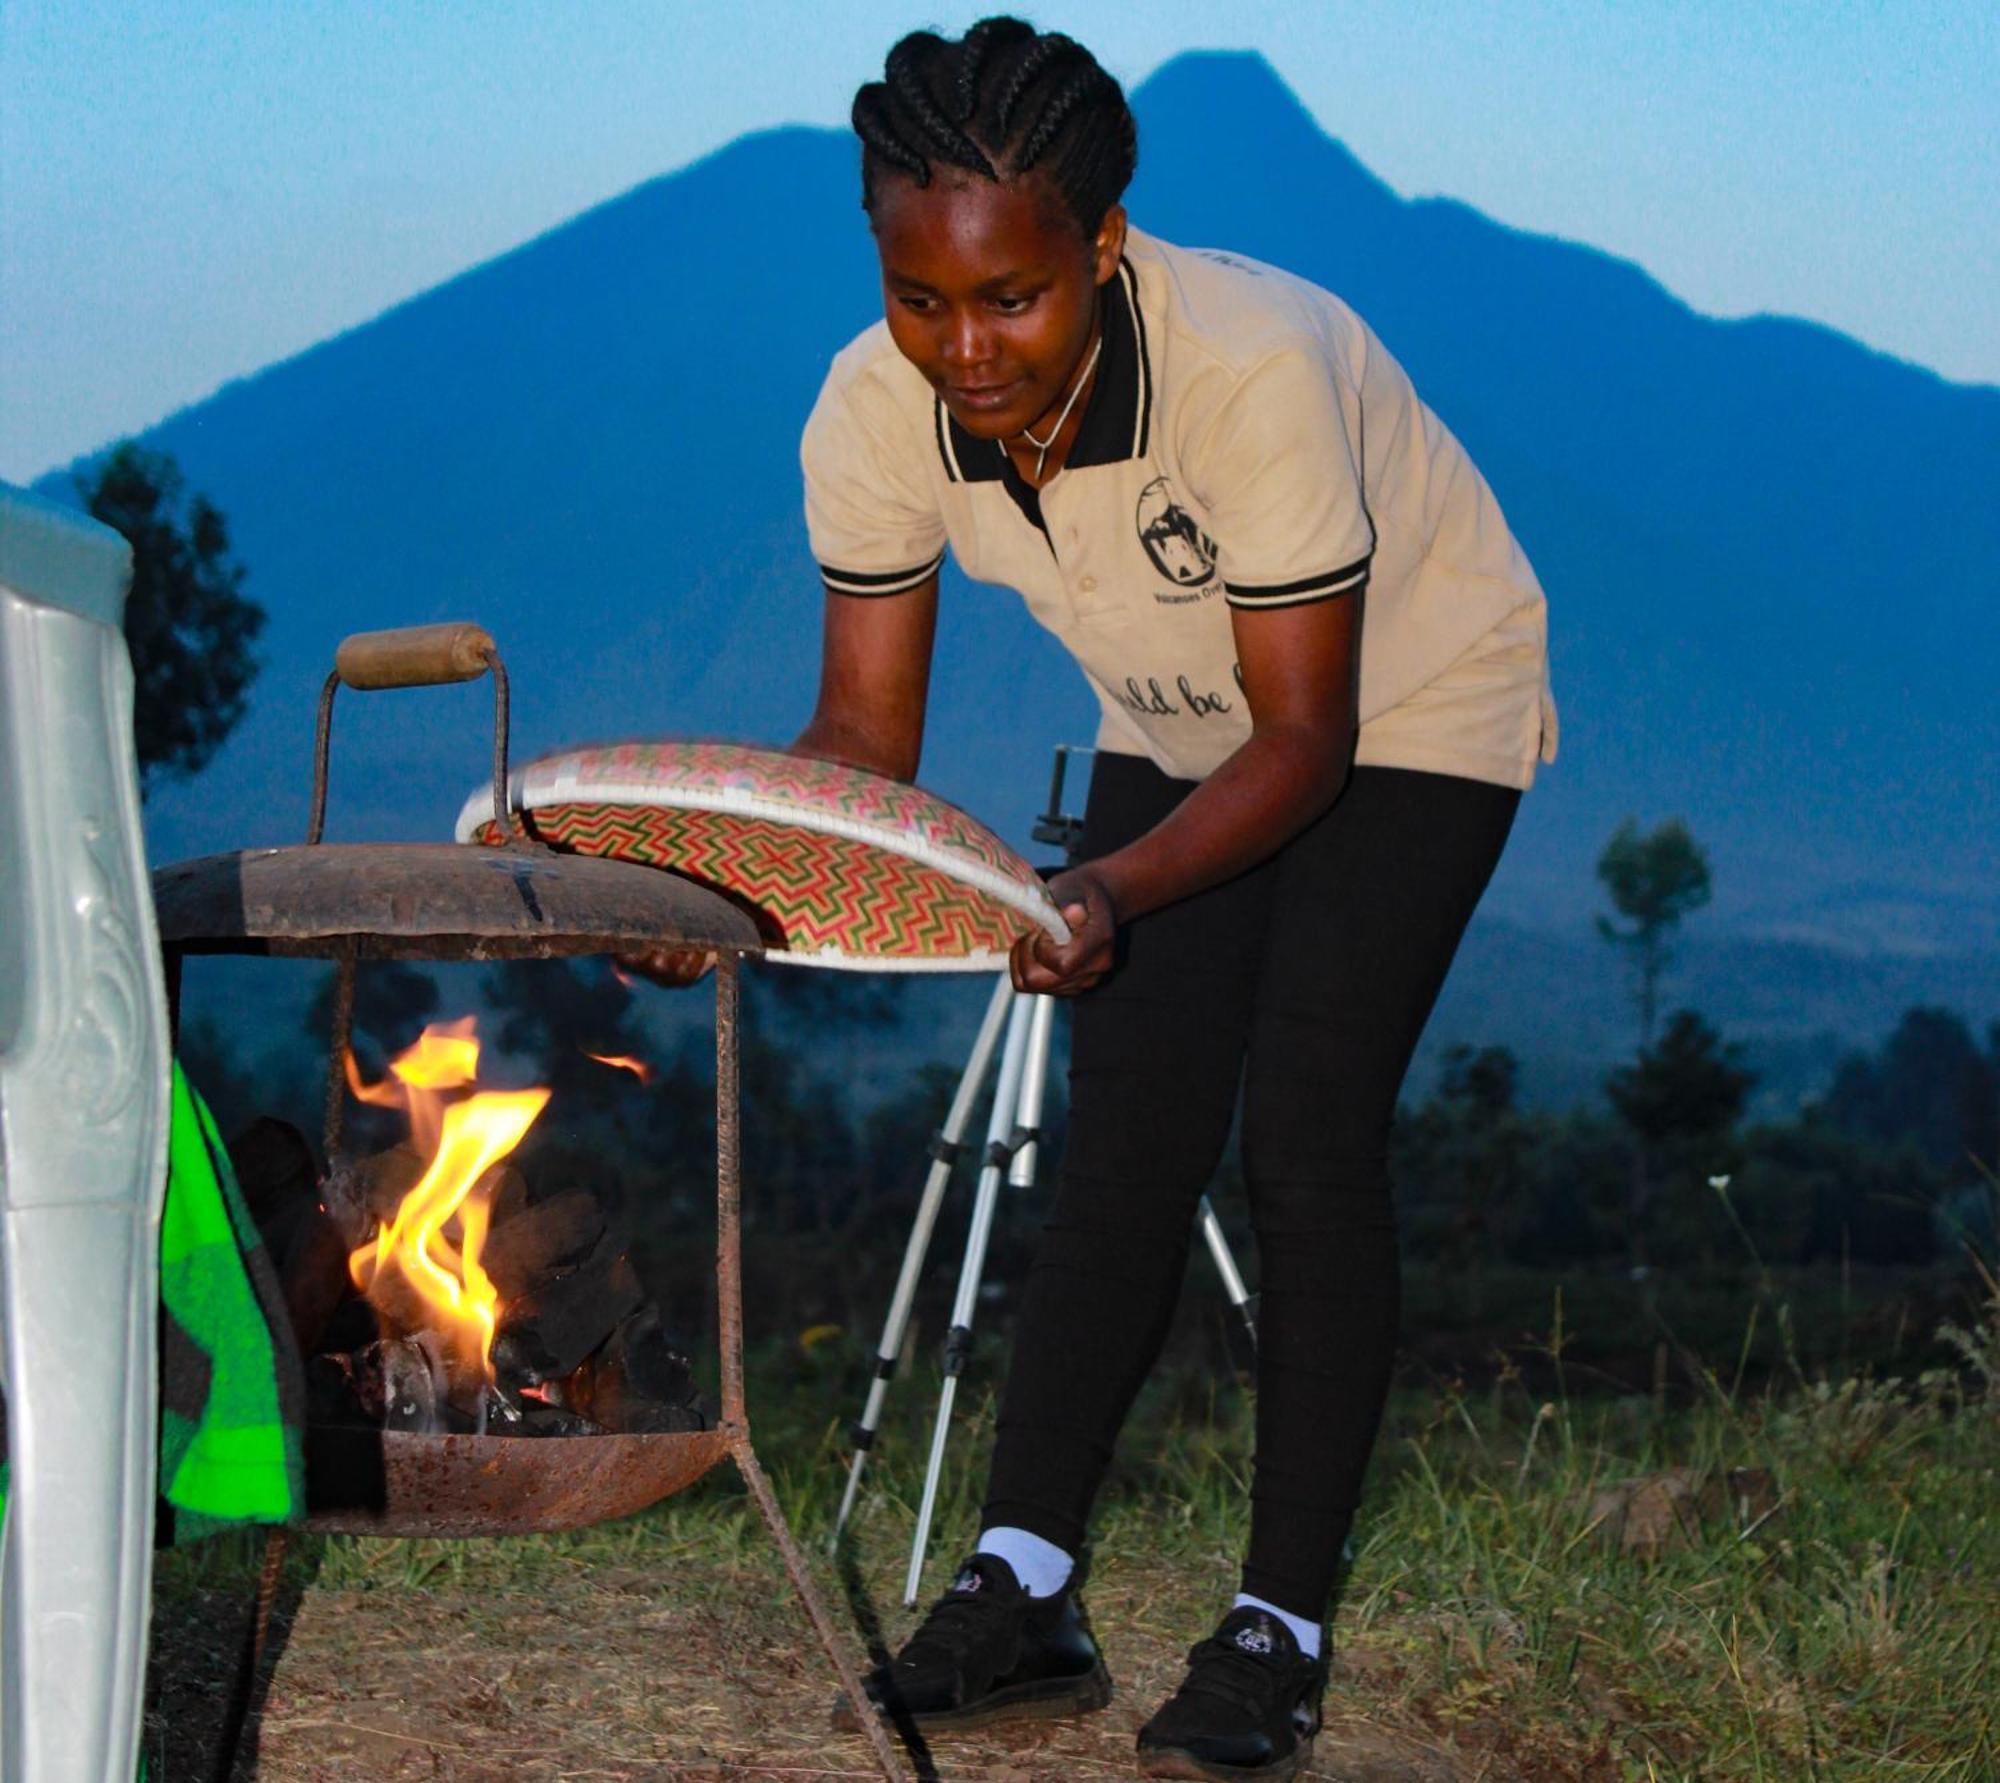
415	655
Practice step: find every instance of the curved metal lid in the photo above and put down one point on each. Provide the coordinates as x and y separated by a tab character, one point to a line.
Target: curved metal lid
434	900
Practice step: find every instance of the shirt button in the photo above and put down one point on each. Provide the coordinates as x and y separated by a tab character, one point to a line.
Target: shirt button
1088	585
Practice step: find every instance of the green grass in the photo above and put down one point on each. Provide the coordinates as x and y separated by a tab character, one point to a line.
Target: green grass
1850	1634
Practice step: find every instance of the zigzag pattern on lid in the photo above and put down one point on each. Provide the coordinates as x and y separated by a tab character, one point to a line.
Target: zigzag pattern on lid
822	787
841	867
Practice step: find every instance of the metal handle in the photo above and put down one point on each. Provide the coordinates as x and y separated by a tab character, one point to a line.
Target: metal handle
415	656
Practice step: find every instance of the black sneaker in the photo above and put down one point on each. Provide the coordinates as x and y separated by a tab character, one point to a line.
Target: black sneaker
989	1652
1248	1707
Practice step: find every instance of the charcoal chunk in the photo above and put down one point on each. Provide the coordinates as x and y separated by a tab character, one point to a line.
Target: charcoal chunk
530	1241
640	1383
399	1383
362	1194
542	1334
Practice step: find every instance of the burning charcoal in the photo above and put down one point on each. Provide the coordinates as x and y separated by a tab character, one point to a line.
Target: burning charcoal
521	1360
466	1390
509	1196
343	1195
399	1308
529	1242
640	1383
400	1383
365	1192
541	1419
539	1411
496	1414
544	1333
387	1177
505	1190
362	1193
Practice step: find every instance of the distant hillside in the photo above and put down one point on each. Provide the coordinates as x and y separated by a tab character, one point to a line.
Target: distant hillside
1770	553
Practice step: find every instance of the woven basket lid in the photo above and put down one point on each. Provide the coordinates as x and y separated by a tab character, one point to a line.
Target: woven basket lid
838	866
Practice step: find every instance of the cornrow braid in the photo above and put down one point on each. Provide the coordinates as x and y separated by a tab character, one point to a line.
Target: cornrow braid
1079	88
1002	101
1027	70
876	127
972	53
911	63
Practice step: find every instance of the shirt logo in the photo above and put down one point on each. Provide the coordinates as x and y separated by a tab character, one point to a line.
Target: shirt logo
1180	550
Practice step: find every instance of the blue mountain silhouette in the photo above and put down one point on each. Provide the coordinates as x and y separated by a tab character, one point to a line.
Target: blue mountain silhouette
1770	552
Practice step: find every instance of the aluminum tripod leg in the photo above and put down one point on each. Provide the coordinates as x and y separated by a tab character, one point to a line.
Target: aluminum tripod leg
1225	1266
944	1154
1006	1137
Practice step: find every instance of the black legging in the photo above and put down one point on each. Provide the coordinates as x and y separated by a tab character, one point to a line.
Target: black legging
1317	971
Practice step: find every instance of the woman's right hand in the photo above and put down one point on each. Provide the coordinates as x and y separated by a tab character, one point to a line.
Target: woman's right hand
1050	969
673	967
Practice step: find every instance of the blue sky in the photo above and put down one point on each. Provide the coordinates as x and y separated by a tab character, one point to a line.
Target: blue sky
190	191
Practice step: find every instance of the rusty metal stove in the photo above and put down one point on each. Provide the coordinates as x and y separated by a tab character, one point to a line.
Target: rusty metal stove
347	902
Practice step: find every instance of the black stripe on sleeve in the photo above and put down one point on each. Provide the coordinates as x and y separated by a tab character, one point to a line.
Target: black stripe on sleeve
894	582
1349	580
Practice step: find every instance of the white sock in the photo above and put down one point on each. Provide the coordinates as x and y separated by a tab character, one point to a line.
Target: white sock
1041	1566
1304	1632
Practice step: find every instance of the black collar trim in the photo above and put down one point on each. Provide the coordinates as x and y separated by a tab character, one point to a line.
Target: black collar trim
1116	424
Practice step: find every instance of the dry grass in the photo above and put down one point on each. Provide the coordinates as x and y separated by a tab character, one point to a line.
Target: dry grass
1489	1634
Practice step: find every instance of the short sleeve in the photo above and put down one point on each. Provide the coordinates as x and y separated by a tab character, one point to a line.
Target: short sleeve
1279	474
870	512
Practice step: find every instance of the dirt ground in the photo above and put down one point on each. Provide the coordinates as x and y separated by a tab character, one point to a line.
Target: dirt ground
641	1672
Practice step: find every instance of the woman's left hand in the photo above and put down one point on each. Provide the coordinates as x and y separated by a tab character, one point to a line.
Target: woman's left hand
1040	964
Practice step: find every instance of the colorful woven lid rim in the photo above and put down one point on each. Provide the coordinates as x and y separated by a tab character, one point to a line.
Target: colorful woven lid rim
555	781
835	959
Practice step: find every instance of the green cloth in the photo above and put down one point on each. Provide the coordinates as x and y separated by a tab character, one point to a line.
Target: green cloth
232	1440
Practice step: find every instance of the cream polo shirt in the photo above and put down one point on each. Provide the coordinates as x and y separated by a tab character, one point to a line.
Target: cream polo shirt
1248	444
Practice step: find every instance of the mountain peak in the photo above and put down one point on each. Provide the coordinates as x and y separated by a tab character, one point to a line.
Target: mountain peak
1228	78
1240	93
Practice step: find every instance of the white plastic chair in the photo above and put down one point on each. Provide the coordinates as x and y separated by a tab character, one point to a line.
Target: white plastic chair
83	1135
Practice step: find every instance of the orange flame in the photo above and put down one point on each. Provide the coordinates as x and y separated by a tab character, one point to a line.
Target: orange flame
445	1057
463	1139
638	1067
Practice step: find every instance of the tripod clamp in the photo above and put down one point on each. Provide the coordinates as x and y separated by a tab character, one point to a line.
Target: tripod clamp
1002	1152
1055	825
957	1349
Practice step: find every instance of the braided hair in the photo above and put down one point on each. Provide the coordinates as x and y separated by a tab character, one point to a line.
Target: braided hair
1001	102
